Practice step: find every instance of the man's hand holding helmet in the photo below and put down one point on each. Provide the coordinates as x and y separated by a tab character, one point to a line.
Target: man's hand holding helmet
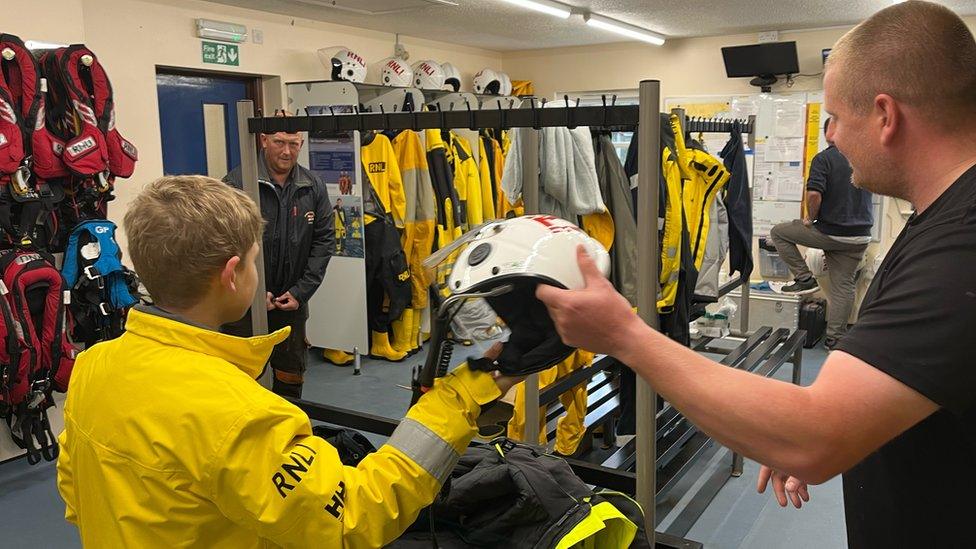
596	317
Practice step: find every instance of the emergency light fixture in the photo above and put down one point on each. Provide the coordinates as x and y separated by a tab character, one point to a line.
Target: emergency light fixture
545	6
623	29
38	45
220	30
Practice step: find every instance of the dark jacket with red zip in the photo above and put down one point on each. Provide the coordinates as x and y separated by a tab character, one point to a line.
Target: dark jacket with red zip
299	235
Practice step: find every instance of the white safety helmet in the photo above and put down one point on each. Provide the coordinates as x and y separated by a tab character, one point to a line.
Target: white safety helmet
396	73
343	64
486	82
501	263
452	78
428	75
505	87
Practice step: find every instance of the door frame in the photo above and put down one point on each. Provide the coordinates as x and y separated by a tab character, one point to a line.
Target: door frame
254	87
253	82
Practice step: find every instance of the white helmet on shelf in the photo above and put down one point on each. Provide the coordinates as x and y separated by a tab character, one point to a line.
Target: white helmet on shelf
452	78
343	64
500	264
428	75
505	88
396	73
486	82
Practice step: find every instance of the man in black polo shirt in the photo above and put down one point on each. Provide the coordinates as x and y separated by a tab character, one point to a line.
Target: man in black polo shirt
893	406
838	221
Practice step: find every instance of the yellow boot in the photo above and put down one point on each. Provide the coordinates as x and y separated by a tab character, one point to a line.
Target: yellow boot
424	336
401	332
415	332
382	349
337	357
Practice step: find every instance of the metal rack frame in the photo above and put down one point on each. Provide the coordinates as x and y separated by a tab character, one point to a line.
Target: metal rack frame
623	117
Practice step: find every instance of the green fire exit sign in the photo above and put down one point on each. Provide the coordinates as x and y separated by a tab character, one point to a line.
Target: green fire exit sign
221	54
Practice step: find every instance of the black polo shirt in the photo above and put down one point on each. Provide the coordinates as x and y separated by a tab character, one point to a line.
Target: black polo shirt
918	325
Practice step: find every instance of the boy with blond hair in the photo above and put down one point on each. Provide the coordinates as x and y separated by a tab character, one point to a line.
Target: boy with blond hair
169	440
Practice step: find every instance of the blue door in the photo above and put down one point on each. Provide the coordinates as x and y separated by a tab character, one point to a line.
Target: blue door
198	123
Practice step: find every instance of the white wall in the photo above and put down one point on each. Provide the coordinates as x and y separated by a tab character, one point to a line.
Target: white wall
133	37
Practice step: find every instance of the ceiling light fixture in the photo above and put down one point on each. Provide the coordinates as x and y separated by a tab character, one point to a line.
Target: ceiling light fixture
624	29
545	6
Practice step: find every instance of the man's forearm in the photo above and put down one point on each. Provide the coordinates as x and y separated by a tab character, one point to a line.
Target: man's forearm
814	199
734	407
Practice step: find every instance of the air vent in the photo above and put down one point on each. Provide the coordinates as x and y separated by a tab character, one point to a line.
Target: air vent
378	7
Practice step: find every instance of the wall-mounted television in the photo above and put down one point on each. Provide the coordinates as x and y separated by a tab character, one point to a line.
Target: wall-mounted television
769	59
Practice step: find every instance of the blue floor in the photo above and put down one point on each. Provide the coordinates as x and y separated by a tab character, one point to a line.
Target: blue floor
737	517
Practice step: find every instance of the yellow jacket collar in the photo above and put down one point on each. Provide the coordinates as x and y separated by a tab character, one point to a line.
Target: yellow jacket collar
250	354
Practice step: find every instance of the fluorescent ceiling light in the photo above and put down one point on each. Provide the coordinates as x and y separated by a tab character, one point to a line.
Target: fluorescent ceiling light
545	6
624	29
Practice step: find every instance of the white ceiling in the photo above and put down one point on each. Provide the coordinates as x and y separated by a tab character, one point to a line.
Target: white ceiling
497	25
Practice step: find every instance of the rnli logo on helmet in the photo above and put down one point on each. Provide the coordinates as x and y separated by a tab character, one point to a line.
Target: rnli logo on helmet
82	147
395	67
554	224
427	69
310	217
352	56
7	112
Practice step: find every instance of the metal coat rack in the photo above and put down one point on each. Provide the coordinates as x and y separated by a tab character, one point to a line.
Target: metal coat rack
534	115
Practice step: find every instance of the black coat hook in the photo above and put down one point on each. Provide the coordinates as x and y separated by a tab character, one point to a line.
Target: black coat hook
443	118
535	114
472	125
570	118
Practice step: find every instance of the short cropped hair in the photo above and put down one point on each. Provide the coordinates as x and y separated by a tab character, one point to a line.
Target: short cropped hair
920	53
181	232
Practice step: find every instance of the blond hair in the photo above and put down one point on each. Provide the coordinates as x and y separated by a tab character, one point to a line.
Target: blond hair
922	54
181	232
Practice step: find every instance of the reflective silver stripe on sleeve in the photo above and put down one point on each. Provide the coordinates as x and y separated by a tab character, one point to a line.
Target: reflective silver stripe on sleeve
424	447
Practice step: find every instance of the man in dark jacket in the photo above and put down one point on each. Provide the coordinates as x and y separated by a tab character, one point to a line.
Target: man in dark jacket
838	221
299	239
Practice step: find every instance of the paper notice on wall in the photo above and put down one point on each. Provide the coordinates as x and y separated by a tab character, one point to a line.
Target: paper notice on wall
764	176
784	149
767	213
744	107
714	143
790	119
789	181
704	110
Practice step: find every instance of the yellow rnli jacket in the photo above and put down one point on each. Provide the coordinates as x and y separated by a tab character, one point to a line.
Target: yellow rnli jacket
421	210
169	442
380	162
467	181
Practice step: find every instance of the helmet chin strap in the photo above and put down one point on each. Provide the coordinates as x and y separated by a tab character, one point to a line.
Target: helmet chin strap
442	347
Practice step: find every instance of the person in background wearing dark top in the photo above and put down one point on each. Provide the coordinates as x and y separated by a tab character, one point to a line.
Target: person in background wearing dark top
893	408
299	240
838	221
